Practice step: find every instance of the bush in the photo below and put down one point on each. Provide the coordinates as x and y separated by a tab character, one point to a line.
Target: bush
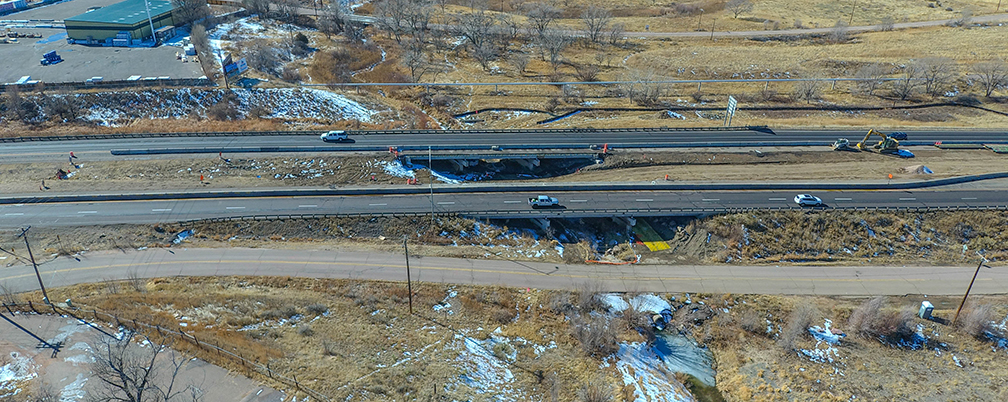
279	313
753	322
317	308
222	111
976	320
305	330
595	392
797	325
588	296
596	334
863	318
870	320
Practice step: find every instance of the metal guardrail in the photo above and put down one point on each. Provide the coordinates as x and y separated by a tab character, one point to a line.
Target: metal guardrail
380	132
136	325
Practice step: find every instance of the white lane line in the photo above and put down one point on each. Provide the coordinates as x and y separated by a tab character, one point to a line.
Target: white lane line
577	200
645	199
777	199
710	199
161	210
87	212
235	207
14	214
447	203
908	199
841	199
512	202
308	206
378	205
969	198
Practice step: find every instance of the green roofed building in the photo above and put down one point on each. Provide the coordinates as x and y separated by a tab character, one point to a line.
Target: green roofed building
110	25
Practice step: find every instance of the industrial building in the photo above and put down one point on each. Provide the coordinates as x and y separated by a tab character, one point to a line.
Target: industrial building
122	24
7	7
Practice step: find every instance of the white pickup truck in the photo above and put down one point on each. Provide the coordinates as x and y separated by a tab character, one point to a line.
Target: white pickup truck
334	136
543	201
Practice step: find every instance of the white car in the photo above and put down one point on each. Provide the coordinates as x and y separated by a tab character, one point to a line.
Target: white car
807	200
334	136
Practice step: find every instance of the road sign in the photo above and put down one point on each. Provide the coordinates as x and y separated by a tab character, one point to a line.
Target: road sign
730	112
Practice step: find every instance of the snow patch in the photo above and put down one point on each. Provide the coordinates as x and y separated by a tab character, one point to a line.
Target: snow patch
19	370
650	303
74	391
642	370
614	302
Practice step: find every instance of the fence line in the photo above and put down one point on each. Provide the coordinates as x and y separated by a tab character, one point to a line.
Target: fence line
140	325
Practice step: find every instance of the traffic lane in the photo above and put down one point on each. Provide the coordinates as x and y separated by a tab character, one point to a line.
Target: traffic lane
89	213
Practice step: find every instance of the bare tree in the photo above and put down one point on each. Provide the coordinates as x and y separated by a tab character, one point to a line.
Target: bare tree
871	77
332	19
596	20
187	11
965	19
416	61
259	7
519	61
391	17
484	54
909	81
509	25
991	75
354	32
261	56
18	108
554	42
936	73
616	33
540	15
65	106
737	7
418	18
808	91
476	28
130	373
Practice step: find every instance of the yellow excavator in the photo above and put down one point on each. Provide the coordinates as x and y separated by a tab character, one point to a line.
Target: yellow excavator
888	145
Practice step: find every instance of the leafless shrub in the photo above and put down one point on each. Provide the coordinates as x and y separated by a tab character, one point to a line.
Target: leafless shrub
863	318
135	282
560	302
887	24
936	73
7	295
587	72
839	33
753	322
617	33
976	320
112	287
330	348
871	77
808	90
279	313
964	20
797	324
798	24
305	330
639	322
596	334
317	308
909	81
589	293
519	61
554	42
595	392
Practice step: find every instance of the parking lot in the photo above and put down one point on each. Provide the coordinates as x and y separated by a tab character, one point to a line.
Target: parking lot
83	62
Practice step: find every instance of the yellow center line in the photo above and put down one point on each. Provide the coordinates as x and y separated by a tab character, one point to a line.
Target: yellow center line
479	270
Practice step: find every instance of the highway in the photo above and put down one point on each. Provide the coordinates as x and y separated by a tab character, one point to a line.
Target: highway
808	280
496	205
42	151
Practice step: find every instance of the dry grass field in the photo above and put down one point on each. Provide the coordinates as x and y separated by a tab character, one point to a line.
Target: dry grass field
357	340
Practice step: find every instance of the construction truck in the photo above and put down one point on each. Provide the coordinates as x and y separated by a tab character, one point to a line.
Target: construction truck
887	145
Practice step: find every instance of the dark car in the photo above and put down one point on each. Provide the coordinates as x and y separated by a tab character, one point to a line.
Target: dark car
899	135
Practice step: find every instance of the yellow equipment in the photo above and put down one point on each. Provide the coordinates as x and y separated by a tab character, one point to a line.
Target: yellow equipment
887	145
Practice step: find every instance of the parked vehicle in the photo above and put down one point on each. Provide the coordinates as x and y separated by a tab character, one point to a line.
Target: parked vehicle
335	136
543	201
50	58
808	200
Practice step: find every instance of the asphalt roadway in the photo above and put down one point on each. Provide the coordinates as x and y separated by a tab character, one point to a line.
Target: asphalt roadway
44	151
497	205
806	280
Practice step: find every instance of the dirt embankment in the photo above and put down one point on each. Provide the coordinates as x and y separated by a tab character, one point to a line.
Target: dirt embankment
329	170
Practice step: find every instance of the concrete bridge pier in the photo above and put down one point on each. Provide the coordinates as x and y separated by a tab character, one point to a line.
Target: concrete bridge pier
459	165
542	223
627	221
529	164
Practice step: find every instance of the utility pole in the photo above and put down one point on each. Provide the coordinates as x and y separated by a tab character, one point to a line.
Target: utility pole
963	303
699	19
24	234
851	21
712	29
409	282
